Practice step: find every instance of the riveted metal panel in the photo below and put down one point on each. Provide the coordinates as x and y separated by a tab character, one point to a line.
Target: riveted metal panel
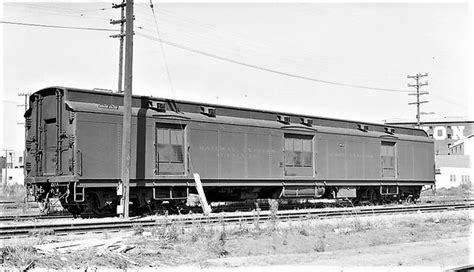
322	157
355	157
258	153
336	157
97	140
423	161
276	156
232	159
203	152
372	163
406	162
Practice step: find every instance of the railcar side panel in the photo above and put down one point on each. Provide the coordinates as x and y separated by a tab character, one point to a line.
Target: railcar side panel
234	152
342	157
424	161
99	142
258	152
203	152
355	167
232	155
276	155
372	165
336	157
406	161
321	157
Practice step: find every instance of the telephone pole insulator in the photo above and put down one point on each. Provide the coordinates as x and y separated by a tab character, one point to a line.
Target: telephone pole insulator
121	5
117	35
116	22
418	93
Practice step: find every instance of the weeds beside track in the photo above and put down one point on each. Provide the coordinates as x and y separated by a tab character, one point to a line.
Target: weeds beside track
84	226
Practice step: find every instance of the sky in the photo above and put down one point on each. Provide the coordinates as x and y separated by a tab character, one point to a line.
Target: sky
242	55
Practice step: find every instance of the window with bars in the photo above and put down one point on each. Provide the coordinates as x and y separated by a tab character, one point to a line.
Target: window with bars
298	155
389	160
169	149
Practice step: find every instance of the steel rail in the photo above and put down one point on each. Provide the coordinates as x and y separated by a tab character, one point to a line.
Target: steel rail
25	217
64	215
8	231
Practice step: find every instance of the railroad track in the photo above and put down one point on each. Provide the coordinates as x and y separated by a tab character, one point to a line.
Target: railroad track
94	225
25	217
197	210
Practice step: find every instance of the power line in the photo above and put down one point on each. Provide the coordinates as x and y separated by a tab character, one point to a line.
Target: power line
57	26
444	99
55	8
162	49
264	68
215	57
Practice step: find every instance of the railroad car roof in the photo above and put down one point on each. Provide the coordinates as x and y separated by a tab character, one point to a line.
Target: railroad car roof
256	123
139	101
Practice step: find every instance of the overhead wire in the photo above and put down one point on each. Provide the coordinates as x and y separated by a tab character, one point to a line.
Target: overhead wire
64	12
447	100
46	6
211	55
180	18
265	68
58	26
162	48
241	45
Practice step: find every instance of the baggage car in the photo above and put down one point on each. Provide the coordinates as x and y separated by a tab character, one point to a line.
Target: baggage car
74	153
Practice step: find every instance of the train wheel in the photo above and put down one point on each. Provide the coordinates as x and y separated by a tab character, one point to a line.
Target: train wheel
93	204
410	200
74	208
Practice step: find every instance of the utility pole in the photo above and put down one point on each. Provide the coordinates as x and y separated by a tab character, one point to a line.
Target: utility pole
418	94
26	95
127	110
120	36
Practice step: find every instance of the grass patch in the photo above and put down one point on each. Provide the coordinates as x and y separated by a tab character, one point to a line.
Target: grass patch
462	191
14	192
171	244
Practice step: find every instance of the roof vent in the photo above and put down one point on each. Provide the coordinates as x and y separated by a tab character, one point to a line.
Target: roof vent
157	105
389	130
209	111
362	127
307	121
284	119
102	90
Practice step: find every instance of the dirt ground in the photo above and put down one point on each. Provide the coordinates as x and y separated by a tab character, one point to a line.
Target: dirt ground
421	242
439	254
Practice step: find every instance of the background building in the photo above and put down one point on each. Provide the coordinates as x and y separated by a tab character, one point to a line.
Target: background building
12	163
454	148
